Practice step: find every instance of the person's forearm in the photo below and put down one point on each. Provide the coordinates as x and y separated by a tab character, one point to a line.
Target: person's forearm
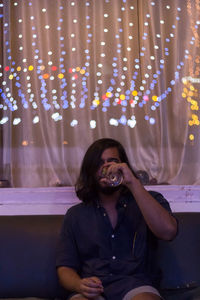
69	279
158	219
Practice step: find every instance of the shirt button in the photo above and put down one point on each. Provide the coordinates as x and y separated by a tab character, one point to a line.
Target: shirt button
113	236
114	257
104	214
124	205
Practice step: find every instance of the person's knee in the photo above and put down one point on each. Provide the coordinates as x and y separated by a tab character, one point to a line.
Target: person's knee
78	297
146	296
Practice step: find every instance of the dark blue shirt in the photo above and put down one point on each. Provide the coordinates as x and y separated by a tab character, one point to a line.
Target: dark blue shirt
120	257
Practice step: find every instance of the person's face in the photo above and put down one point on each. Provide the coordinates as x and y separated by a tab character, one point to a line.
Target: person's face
110	155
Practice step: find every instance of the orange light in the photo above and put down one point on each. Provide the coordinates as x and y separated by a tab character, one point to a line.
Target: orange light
46	76
24	143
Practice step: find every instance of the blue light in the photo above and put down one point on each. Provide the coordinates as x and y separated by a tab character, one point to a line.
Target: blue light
112	81
124	103
82	105
123	120
110	89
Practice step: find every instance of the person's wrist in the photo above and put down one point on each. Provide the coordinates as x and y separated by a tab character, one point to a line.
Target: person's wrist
78	286
134	184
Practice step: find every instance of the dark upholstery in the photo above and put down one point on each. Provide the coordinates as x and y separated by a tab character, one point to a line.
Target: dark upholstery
179	260
27	258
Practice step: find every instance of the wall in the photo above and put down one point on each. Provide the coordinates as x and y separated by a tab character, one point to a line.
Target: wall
34	201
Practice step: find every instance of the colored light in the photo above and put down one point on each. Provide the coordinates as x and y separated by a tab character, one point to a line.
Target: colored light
191	137
109	94
134	93
46	76
154	98
79	79
30	68
60	75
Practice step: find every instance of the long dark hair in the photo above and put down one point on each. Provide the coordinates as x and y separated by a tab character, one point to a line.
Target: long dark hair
86	185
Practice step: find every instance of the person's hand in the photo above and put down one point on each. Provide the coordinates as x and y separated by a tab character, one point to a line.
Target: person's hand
91	287
128	176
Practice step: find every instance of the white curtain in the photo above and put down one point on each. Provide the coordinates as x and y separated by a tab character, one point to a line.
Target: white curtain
75	71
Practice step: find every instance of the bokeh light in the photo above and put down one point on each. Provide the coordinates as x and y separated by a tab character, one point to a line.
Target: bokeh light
57	78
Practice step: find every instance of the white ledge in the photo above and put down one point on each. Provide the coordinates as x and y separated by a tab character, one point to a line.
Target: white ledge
56	200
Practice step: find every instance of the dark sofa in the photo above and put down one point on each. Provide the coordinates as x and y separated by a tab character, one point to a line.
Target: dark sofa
27	258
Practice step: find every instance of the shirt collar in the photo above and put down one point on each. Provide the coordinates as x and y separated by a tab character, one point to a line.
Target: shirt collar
122	202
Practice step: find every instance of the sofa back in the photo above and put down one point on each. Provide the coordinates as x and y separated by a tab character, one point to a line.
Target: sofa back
179	259
28	246
27	256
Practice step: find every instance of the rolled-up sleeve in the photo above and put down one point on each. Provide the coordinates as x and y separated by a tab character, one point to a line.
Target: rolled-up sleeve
161	199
